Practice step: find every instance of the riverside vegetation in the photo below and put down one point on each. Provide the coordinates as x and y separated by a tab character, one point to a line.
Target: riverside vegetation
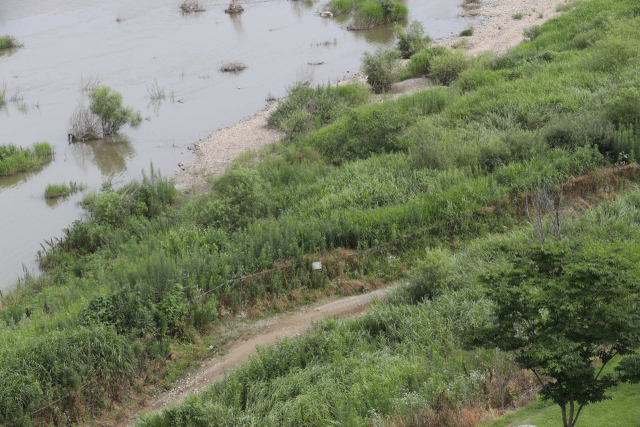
123	288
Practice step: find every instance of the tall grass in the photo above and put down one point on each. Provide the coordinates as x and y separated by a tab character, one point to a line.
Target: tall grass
14	159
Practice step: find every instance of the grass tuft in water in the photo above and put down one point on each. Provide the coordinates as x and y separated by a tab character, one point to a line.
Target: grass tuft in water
8	42
14	159
53	191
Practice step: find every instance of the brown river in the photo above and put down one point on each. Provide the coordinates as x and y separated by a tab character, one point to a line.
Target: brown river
130	45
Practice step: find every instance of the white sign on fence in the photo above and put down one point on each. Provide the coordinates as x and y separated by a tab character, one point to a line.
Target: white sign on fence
317	265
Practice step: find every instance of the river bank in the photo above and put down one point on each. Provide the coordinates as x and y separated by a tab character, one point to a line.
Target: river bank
128	48
497	32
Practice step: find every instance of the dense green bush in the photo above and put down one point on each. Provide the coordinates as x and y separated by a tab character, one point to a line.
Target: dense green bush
107	105
147	198
411	39
623	108
447	68
381	68
242	195
420	62
580	129
372	129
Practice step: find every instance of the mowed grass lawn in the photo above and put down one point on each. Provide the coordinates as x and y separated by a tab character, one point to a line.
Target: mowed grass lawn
623	410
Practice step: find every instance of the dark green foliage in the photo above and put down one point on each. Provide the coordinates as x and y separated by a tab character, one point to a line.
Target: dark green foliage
561	306
369	130
623	105
411	39
430	278
580	129
381	68
466	33
420	63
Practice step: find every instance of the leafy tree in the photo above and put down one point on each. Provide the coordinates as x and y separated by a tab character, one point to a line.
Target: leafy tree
566	310
107	105
411	39
381	68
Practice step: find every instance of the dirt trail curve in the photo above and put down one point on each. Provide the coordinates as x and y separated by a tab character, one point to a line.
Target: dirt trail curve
213	369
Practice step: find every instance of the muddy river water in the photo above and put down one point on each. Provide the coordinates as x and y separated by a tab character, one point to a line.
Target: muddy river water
130	45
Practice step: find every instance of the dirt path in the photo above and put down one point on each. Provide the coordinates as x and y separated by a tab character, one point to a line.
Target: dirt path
267	332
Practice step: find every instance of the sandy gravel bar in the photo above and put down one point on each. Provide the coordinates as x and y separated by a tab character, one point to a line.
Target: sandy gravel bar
216	152
499	31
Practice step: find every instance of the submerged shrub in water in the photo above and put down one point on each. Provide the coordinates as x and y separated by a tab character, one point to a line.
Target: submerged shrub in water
107	105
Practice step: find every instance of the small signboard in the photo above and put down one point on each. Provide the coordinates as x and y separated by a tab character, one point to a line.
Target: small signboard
317	265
